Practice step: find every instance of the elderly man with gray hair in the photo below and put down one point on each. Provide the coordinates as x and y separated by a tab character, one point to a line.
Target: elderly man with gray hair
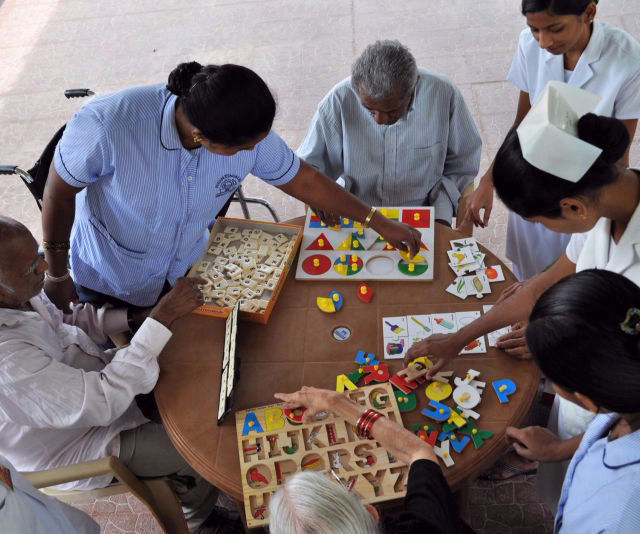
63	400
398	135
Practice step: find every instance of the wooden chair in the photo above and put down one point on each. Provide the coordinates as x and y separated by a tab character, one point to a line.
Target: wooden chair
155	494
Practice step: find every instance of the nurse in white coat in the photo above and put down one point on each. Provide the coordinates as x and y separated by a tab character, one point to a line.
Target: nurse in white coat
574	185
563	43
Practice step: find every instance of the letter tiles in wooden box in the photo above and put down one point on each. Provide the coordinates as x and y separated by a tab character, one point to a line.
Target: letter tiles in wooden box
245	261
273	444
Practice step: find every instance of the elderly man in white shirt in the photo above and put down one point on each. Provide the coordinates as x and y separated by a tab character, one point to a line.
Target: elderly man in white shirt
63	400
396	134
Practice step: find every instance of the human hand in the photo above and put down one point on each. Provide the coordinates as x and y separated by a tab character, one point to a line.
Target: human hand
514	343
399	235
481	198
314	401
61	293
513	288
439	348
330	219
184	297
535	443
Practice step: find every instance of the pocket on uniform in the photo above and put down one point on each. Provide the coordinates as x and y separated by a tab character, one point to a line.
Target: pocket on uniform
117	247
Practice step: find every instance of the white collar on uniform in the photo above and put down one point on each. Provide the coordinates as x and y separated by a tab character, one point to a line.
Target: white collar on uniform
583	71
627	249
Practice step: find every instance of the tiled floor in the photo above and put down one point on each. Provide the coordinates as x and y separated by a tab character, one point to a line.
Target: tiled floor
301	48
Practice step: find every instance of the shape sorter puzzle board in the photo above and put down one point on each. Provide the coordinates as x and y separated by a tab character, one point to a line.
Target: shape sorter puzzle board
356	253
273	444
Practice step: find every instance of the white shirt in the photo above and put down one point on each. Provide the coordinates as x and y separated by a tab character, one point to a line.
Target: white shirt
610	67
427	157
24	509
596	250
62	399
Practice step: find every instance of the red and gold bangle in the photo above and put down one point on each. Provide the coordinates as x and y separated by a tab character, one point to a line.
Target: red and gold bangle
365	423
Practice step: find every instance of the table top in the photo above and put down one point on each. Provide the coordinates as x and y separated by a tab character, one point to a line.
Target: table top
297	348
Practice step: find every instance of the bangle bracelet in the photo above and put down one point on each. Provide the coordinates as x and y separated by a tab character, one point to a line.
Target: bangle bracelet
55	246
58	279
366	222
365	423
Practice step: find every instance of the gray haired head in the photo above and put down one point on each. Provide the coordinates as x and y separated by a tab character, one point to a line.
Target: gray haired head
384	68
310	503
10	229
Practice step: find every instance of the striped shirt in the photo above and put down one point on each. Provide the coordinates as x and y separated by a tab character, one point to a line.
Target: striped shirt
425	158
143	215
601	490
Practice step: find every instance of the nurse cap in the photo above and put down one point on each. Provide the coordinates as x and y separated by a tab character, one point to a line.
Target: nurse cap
549	133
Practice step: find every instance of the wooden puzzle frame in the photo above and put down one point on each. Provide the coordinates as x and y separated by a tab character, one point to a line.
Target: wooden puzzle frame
271	447
369	248
254	275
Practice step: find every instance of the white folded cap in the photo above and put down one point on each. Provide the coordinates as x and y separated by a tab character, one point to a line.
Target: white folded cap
549	133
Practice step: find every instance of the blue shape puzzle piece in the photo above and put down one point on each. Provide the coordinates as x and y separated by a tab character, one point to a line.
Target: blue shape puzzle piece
445	435
337	303
255	427
346	225
503	396
360	358
436	414
459	444
317	224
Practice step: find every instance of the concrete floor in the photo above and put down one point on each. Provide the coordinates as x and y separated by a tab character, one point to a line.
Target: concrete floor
301	48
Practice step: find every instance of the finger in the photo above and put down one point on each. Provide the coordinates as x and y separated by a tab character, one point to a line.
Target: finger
509	335
521	353
434	369
286	397
514	433
511	344
522	451
487	214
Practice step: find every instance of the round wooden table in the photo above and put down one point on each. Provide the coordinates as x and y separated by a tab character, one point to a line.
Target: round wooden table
297	348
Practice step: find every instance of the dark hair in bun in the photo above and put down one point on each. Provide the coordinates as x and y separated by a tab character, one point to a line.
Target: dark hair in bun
230	104
531	192
556	7
575	336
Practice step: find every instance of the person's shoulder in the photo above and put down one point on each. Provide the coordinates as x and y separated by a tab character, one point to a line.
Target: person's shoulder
620	44
430	83
527	42
341	93
129	106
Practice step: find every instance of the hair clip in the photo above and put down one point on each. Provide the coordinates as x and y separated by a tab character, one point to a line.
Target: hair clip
631	323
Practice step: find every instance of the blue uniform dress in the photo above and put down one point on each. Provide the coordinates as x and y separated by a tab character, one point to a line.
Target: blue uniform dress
143	215
601	490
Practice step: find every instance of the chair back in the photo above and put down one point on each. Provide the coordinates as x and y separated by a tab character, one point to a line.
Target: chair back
40	170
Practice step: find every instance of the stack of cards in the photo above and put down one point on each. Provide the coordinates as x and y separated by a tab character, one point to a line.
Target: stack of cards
472	276
401	332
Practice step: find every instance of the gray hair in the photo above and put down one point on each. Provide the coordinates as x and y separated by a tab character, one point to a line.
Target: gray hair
310	503
384	68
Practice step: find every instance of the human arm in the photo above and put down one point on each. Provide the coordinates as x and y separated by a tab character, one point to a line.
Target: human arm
463	150
404	445
442	348
482	197
315	189
91	398
539	443
58	213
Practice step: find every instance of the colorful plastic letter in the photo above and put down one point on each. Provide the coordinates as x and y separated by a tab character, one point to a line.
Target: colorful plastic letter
459	444
365	358
343	382
377	373
251	424
273	418
440	412
504	388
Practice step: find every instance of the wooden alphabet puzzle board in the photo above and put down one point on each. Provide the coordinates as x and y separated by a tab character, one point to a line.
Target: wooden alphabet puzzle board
356	253
272	446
